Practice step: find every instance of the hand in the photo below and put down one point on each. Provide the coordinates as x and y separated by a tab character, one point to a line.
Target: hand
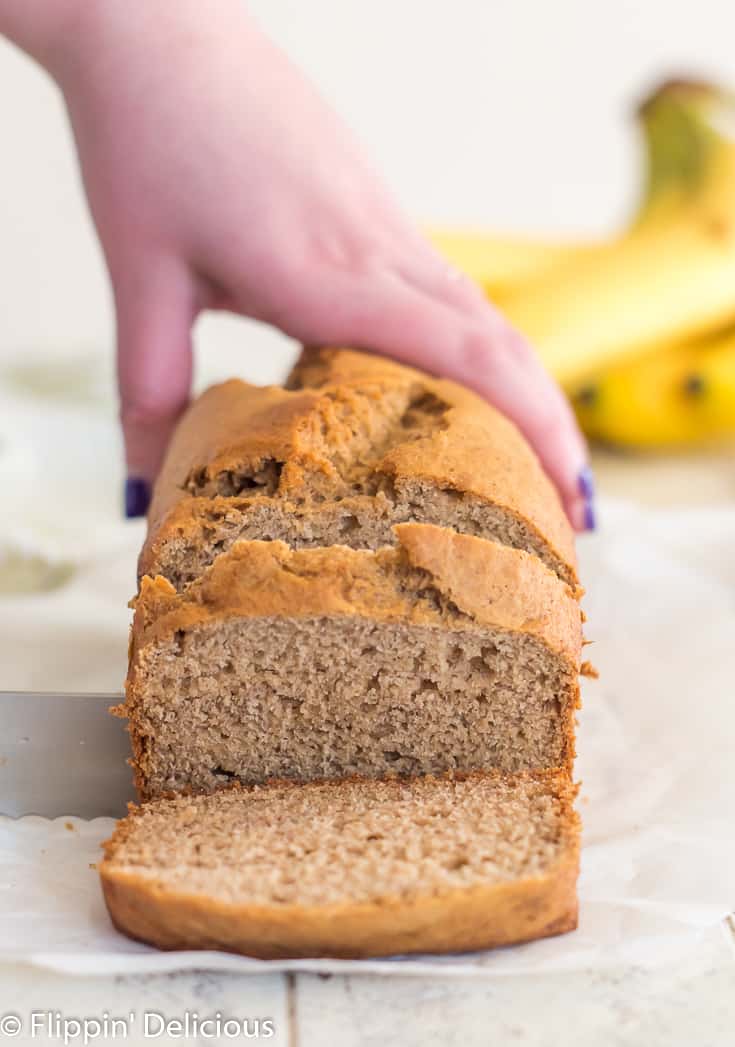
219	179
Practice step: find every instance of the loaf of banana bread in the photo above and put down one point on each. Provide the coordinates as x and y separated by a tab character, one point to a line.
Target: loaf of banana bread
358	610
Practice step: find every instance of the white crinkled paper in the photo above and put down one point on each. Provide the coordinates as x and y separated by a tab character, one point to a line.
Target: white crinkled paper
656	745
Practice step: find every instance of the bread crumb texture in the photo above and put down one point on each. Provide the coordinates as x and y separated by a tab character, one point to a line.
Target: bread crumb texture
350	842
446	652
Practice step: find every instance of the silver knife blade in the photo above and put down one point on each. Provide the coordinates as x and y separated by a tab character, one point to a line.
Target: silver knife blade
63	754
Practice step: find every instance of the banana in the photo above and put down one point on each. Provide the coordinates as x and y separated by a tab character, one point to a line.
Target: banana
672	397
633	326
682	149
678	148
501	264
672	277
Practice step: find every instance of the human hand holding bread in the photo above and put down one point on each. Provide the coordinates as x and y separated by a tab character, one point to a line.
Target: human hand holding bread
219	179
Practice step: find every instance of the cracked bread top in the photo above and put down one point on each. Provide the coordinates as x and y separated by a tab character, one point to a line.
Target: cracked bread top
433	576
351	430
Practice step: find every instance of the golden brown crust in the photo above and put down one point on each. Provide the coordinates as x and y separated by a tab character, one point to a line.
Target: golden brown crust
476	918
458	920
480	583
308	433
229	424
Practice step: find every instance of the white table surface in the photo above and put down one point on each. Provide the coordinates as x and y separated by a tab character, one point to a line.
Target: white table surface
623	1007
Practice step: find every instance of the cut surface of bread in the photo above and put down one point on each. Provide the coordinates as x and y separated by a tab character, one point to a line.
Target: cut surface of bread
442	652
353	868
356	445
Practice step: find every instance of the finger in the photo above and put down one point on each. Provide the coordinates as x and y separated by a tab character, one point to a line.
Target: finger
479	349
515	371
516	382
423	268
551	427
155	313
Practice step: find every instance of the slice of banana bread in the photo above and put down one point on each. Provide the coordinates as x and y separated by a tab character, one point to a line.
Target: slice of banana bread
356	445
353	868
441	652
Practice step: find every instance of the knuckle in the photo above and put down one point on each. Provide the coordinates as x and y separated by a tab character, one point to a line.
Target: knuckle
551	423
475	355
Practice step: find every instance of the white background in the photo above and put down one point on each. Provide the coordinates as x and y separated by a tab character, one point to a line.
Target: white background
511	115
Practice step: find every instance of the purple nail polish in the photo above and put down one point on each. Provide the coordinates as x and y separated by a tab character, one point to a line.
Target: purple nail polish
590	519
137	497
586	483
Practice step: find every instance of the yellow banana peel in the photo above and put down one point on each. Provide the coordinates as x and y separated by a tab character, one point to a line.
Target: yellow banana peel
502	264
676	285
684	124
675	396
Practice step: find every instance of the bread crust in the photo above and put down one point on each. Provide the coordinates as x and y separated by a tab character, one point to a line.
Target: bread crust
457	920
479	583
461	921
471	449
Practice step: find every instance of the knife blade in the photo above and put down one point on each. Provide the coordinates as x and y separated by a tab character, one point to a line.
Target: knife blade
63	754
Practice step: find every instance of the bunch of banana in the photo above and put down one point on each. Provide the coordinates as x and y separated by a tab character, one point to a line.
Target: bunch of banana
683	396
639	329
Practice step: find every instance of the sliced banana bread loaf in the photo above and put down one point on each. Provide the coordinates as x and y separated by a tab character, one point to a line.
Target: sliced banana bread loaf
441	652
356	445
355	658
352	868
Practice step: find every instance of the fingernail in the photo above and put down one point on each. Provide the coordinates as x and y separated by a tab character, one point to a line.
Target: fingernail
586	483
137	497
590	519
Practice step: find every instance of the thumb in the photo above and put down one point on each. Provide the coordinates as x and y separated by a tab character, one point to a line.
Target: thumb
155	314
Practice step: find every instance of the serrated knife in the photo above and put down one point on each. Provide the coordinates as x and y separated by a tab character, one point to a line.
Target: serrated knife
63	754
